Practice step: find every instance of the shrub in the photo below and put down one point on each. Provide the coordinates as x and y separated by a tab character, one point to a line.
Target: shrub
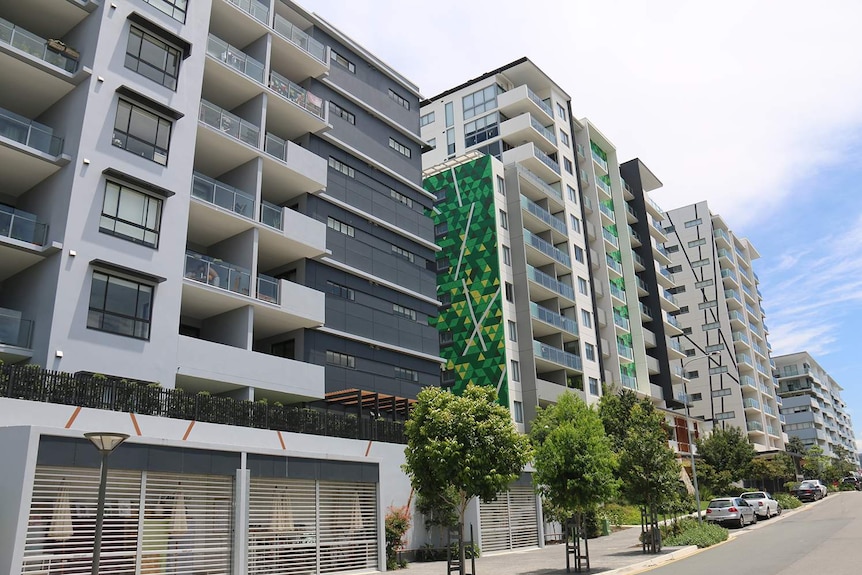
787	501
700	535
397	523
470	550
614	513
846	487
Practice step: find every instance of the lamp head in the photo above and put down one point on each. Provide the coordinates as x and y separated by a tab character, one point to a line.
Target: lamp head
106	441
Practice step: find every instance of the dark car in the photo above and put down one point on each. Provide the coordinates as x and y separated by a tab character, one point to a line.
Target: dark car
809	491
854	481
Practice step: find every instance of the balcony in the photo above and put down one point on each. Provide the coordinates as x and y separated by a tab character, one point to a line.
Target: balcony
625	351
733	299
614	265
253	8
521	100
664	277
737	318
739	336
552	287
618	293
32	148
747	381
603	185
551	354
636	239
295	52
676	346
726	254
638	261
754	426
15	335
551	318
216	273
749	294
588	204
544	216
631	214
722	238
553	254
21	226
290	170
673	327
654	209
621	322
646	312
296	111
538	189
730	277
598	159
535	160
607	211
526	128
235	58
743	359
751	403
643	288
610	238
628	381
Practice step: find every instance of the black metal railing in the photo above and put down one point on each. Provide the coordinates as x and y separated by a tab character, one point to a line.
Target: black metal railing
100	392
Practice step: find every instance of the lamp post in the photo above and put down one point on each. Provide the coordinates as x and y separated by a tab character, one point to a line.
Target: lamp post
105	442
688	428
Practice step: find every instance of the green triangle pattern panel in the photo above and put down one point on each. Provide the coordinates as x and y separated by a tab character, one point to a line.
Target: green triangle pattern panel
472	279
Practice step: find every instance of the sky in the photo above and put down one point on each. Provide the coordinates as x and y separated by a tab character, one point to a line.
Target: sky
755	107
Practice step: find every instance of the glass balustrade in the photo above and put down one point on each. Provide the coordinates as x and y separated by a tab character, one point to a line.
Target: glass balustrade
53	52
621	322
556	355
544	215
15	330
547	248
553	318
538	182
22	226
296	94
611	238
546	159
217	273
539	102
291	32
546	133
603	185
230	124
599	160
222	195
255	9
618	293
235	58
628	381
552	284
607	210
625	351
271	215
267	289
29	133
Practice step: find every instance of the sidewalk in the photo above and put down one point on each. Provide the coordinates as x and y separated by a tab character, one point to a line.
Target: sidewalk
617	553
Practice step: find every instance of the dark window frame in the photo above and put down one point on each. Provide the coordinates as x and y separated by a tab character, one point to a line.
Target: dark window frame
117	220
168	80
103	313
149	150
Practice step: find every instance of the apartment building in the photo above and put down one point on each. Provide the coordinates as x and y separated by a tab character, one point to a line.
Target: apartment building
811	407
728	376
221	200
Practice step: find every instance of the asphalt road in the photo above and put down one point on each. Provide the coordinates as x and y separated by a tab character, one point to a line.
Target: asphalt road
824	538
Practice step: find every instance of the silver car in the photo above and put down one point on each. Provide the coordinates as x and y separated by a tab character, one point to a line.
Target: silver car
764	504
731	510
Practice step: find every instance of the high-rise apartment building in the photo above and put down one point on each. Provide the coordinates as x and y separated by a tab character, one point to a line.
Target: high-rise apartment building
728	376
812	408
221	199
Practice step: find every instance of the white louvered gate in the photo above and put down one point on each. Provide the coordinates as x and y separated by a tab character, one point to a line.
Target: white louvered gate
510	521
185	527
303	526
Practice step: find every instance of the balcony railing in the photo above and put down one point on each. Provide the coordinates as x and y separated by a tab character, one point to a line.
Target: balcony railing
14	330
547	281
296	94
747	381
546	159
635	235
22	226
29	133
642	284
611	238
556	355
222	195
720	233
547	248
664	271
268	289
553	318
607	210
727	273
754	426
751	402
271	215
655	206
37	47
621	322
235	58
217	273
739	336
671	319
546	133
669	297
603	185
618	293
230	124
599	160
638	259
723	253
544	215
749	307
675	344
625	351
538	101
276	147
290	32
732	294
614	264
629	381
744	358
645	309
748	291
538	182
253	8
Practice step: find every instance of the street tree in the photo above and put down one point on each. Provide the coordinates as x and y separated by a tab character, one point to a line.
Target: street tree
726	454
574	460
615	410
460	447
796	448
816	463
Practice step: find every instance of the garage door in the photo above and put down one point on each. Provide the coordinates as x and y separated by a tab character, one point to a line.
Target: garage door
510	521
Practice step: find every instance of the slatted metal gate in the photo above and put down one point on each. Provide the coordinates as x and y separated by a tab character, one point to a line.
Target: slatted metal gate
510	521
155	523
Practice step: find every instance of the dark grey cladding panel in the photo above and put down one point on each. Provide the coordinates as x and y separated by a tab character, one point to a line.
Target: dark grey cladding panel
307	468
524	480
266	465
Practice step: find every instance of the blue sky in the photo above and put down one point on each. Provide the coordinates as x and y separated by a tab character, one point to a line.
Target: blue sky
753	106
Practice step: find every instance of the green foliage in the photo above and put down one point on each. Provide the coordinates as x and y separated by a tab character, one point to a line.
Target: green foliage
470	550
574	460
726	455
787	501
815	462
615	410
437	509
591	524
845	487
779	466
396	523
462	446
647	464
689	532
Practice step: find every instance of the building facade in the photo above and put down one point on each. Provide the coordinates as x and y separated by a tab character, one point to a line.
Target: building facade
812	407
728	378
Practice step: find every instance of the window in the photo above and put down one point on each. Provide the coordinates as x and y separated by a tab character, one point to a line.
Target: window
153	58
407	255
696	397
518	411
707	304
725	415
677	289
504	220
561	111
674	269
692	374
700	263
501	185
704	283
400	198
449	112
176	9
450	141
573	195
564	138
594	386
441	229
590	351
426	119
686	331
695	243
339	226
340	359
689	352
584	177
671	249
443	265
432	143
720	392
341	112
567	164
480	102
513	330
669	229
507	256
401	100
586	318
131	215
447	378
404	311
120	306
343	62
340	290
481	129
693	223
515	370
714	347
399	147
445	300
718	370
583	286
286	349
510	292
709	326
341	167
142	132
579	254
446	337
408	374
575	222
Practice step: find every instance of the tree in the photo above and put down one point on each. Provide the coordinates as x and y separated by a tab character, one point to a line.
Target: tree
797	449
574	460
815	463
460	447
615	410
727	455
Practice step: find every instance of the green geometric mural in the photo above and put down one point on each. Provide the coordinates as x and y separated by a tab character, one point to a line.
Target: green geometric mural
477	353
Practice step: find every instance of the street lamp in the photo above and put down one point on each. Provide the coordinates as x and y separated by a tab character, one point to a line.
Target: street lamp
688	428
105	442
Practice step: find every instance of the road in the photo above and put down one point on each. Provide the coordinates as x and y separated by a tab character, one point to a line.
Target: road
826	537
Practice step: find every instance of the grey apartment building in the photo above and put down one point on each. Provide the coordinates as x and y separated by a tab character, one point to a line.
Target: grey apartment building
221	197
728	376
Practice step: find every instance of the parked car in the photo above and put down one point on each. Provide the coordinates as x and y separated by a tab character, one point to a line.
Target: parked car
809	491
854	481
764	504
823	488
731	510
